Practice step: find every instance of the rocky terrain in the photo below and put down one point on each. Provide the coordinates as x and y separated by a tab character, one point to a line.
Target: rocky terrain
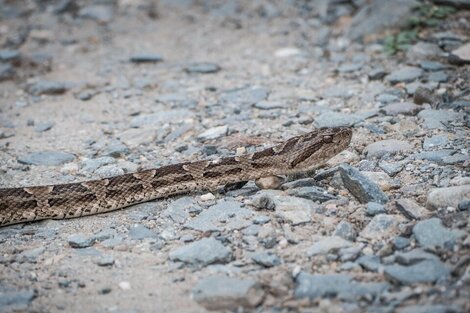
98	88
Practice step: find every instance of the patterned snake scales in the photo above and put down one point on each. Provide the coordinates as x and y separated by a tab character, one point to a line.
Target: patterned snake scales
298	154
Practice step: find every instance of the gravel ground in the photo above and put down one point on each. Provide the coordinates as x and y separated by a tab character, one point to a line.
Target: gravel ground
98	88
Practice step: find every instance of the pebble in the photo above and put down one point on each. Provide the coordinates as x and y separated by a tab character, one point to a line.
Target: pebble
382	180
439	119
377	73
439	77
401	242
432	65
447	197
381	226
16	301
218	292
414	256
48	158
411	210
431	234
105	261
431	308
109	170
391	168
360	186
80	241
293	210
428	271
46	87
404	75
269	182
434	156
42	127
225	215
369	262
102	14
139	232
213	133
326	245
245	96
203	68
311	193
374	208
405	108
91	165
202	252
266	259
10	56
336	119
389	146
435	141
340	286
6	72
422	50
146	58
345	230
461	55
31	255
178	210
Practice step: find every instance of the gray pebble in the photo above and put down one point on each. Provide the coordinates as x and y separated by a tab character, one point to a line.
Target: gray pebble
377	73
80	241
401	242
139	232
435	141
423	272
431	234
203	68
432	65
336	119
146	58
105	261
312	193
266	259
439	119
6	72
16	301
414	256
345	230
49	158
447	197
410	209
202	252
102	14
213	133
227	293
42	127
389	146
326	245
245	96
404	75
45	87
360	186
369	262
439	77
261	219
381	226
391	168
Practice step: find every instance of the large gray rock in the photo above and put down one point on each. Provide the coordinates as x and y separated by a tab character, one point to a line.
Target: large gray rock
378	15
335	286
227	293
225	215
48	158
439	119
389	146
16	301
360	186
406	74
382	226
447	197
432	234
202	252
428	271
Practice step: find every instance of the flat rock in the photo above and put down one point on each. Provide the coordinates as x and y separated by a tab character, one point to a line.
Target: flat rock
81	241
389	146
213	133
411	210
360	186
431	234
48	158
447	197
225	215
406	74
435	141
102	14
6	72
405	108
422	50
202	68
157	119
227	293
266	259
382	180
202	252
245	96
391	168
16	301
178	210
311	193
374	208
439	119
292	209
437	156
335	286
461	55
45	87
428	271
370	262
139	232
326	245
345	230
336	119
146	58
414	256
382	226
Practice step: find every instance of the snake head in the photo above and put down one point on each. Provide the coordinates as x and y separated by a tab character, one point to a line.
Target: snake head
315	148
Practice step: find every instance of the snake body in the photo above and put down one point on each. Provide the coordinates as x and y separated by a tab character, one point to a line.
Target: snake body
297	154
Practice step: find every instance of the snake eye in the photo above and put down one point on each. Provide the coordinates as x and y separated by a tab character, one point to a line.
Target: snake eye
327	139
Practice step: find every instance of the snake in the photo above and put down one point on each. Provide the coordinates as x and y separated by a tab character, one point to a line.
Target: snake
302	153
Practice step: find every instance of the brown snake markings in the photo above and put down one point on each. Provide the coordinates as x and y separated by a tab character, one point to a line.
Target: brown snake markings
297	154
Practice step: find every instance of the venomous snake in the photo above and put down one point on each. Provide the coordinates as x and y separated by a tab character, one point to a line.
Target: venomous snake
297	154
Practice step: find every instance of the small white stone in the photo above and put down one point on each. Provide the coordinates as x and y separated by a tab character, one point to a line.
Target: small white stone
241	150
124	285
287	52
207	197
